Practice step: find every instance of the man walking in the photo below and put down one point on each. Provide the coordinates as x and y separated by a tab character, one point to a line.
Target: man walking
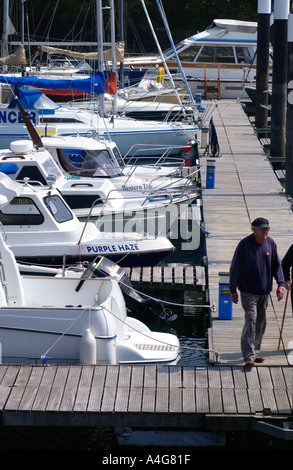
254	265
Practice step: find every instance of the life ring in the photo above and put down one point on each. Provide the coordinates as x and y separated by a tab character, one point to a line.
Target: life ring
161	74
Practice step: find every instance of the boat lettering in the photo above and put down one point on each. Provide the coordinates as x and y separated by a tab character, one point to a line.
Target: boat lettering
14	117
112	248
140	187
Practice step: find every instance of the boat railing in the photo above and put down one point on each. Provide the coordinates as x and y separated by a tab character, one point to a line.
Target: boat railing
146	195
141	149
166	180
2	229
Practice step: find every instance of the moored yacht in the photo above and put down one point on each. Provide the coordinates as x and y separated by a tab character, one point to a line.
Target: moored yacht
57	320
40	228
75	120
220	59
155	212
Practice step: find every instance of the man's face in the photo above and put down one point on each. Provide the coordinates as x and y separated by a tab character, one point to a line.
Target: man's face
260	234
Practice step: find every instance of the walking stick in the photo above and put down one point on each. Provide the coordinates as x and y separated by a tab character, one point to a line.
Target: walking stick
285	306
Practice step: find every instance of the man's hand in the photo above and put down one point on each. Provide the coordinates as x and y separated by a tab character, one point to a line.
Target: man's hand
280	293
234	298
288	285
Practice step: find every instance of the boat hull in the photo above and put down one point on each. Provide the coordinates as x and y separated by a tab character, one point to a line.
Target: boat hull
44	335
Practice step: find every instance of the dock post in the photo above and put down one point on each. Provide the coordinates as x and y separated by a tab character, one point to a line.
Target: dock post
279	80
289	122
262	63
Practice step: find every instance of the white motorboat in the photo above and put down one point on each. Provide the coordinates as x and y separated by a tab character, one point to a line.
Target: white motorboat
54	319
41	229
141	306
97	199
153	107
92	158
125	132
222	58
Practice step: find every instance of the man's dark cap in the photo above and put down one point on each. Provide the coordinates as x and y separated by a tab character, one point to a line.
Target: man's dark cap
260	222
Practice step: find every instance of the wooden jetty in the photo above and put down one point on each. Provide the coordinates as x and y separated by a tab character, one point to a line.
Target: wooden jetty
179	277
210	398
245	187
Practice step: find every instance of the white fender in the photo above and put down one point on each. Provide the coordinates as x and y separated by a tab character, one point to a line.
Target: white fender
88	348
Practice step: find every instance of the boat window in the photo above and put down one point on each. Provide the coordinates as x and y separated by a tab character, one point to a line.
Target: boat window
218	54
189	54
33	173
58	209
244	55
92	163
51	168
58	120
21	211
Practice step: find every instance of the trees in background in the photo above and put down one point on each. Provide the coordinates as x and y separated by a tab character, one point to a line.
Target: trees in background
76	19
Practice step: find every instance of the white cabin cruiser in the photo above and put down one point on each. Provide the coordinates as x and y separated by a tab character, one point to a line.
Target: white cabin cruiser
92	158
222	57
41	229
50	319
97	199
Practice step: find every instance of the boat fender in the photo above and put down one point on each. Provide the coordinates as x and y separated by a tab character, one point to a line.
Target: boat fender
88	348
191	154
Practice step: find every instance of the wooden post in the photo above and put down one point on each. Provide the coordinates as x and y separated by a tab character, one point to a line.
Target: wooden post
289	120
279	81
262	63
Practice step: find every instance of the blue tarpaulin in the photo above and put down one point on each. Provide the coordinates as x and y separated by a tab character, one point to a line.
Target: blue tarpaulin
93	84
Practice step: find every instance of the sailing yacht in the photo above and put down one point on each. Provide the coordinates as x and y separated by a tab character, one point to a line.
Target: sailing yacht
127	133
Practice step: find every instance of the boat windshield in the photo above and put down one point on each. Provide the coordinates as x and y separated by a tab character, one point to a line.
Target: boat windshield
91	163
215	54
57	208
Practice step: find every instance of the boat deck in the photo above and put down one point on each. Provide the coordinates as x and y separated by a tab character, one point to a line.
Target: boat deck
245	187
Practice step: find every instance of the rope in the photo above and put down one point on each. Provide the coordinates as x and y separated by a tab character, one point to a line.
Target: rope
45	355
164	301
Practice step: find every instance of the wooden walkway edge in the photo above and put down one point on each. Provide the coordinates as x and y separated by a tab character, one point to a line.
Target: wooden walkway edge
222	398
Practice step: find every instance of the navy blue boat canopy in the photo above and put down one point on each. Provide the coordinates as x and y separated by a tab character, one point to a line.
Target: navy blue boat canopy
93	84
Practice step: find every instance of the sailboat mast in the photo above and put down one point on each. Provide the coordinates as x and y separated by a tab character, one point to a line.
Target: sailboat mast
100	51
174	48
5	31
113	48
160	52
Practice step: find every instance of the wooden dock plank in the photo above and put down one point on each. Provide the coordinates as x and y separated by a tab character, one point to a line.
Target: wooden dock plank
31	389
57	389
44	389
97	389
70	390
110	389
83	389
